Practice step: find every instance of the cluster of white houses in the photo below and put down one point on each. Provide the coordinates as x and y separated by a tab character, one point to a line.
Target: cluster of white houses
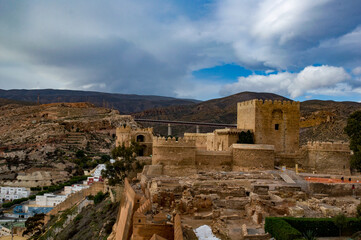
13	193
44	203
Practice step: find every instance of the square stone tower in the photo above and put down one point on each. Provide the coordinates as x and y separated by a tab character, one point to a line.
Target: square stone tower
272	122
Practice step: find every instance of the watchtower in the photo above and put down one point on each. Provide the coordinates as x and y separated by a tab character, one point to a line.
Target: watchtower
272	122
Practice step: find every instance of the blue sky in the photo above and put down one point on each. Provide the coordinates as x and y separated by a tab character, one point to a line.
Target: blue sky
191	49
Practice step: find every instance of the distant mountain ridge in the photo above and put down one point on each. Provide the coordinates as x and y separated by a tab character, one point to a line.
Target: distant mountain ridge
124	103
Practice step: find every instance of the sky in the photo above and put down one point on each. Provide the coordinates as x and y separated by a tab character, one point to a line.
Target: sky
188	49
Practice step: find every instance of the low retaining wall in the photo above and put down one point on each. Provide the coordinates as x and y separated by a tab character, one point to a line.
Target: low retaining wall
335	189
75	198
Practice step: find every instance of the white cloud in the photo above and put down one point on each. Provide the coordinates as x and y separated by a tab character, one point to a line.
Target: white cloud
312	79
140	47
357	71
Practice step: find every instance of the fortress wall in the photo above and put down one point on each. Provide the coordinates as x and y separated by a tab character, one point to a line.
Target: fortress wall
181	152
199	138
214	160
123	226
252	156
262	117
75	198
178	233
210	142
327	157
246	115
288	160
177	156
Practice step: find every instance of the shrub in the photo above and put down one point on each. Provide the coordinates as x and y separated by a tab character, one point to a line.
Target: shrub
322	227
280	229
99	197
359	210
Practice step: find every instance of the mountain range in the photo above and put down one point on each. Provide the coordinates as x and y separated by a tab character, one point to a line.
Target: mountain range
124	103
320	120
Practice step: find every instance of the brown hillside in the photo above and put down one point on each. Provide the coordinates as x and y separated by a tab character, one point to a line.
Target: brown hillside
48	135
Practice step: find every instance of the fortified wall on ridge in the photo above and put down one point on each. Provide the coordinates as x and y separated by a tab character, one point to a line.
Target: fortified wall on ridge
275	128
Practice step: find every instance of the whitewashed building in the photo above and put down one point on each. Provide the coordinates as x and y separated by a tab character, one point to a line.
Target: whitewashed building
98	170
4	231
12	193
74	188
49	200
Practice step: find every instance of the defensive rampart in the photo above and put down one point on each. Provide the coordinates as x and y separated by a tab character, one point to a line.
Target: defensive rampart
327	157
214	160
199	138
176	155
130	202
252	156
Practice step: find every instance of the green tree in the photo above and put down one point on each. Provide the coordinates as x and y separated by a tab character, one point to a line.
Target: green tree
125	163
245	137
353	130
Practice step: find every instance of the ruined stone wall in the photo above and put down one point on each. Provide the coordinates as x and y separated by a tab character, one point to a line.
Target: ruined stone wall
214	160
146	231
252	156
75	198
335	189
273	122
199	138
327	157
177	156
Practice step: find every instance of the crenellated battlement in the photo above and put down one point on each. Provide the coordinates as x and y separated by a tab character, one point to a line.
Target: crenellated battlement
260	102
328	146
168	141
128	128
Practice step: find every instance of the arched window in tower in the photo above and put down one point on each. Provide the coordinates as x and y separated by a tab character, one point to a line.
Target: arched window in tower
140	138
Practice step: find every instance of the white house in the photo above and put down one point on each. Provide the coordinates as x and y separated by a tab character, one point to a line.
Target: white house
74	188
12	193
4	231
98	170
49	200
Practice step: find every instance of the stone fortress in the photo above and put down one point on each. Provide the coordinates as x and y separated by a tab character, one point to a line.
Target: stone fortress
275	129
210	179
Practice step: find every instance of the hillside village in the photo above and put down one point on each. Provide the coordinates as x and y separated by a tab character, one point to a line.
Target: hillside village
200	183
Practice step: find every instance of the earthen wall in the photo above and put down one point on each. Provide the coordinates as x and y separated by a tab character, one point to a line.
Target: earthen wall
178	233
199	138
123	226
252	156
214	160
327	157
146	231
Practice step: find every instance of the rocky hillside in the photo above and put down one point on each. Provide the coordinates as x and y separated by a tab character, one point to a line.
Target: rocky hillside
320	120
124	103
37	143
4	101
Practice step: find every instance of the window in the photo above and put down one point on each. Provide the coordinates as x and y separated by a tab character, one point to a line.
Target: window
277	126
